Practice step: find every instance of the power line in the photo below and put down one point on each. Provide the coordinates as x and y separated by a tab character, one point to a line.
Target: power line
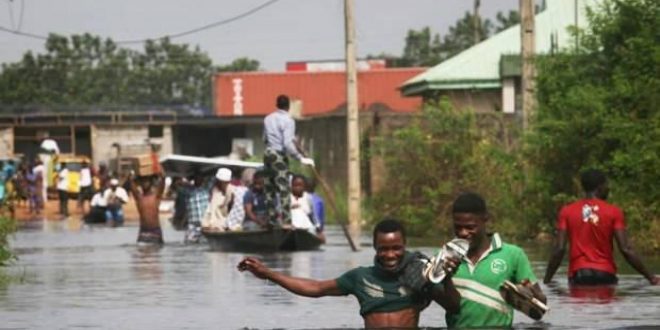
171	36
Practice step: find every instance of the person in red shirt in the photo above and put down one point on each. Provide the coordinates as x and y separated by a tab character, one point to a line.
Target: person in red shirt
590	224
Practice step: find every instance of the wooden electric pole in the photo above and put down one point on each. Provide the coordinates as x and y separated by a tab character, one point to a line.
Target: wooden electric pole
527	55
352	128
476	22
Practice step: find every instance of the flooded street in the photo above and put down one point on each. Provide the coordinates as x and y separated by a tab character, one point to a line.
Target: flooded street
96	277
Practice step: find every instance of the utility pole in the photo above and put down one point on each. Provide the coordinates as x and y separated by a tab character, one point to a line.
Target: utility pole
352	128
527	55
476	22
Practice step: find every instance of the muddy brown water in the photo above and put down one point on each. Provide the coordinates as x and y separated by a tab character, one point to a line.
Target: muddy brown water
70	276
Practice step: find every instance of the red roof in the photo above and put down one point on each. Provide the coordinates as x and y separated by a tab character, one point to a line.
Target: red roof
254	93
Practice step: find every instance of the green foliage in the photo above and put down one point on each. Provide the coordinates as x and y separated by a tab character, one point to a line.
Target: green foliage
423	48
598	107
444	152
86	70
7	227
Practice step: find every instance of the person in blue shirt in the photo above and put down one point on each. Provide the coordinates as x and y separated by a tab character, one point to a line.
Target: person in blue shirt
254	202
279	138
318	206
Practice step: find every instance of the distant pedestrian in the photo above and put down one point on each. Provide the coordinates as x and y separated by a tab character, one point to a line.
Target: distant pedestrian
115	198
63	189
86	188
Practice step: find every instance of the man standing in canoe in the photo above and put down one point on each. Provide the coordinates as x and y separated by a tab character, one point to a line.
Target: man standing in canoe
279	137
386	301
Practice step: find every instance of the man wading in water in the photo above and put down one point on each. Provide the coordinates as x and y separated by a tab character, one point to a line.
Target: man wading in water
386	300
148	191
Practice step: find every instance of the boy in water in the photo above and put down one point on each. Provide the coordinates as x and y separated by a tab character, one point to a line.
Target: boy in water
148	191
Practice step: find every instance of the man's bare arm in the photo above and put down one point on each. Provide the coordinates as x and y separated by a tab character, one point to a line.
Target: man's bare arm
631	257
556	257
300	286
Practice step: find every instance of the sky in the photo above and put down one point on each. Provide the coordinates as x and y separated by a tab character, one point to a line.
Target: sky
285	30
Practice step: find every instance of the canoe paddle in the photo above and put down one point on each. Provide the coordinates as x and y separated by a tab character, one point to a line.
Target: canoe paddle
330	196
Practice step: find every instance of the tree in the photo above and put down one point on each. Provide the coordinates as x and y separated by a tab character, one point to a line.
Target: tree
505	21
85	70
598	107
423	48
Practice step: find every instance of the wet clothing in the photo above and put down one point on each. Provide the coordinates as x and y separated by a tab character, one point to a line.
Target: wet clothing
150	235
197	201
97	209
479	286
378	290
588	276
590	226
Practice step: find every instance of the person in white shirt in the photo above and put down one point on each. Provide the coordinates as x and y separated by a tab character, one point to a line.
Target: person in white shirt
215	217
301	205
97	208
86	190
115	197
63	189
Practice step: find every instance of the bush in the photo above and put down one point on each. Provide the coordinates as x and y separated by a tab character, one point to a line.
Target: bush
598	108
7	227
446	151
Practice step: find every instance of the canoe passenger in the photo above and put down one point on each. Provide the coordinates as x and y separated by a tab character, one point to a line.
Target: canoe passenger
301	205
254	203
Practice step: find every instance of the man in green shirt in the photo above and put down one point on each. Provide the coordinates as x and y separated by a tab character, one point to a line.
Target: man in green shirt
384	301
489	262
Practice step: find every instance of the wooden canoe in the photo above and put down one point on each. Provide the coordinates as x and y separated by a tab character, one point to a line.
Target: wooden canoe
279	239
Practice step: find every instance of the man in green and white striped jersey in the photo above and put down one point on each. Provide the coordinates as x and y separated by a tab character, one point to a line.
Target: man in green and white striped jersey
489	262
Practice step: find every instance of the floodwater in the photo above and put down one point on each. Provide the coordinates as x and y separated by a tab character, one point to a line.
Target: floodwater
72	276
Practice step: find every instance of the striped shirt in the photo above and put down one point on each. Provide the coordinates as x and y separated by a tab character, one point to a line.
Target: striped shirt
479	283
197	202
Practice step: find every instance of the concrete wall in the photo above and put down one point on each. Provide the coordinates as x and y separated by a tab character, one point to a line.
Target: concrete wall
482	101
6	141
132	139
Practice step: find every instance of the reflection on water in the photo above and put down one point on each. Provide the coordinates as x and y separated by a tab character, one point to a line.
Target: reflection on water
95	277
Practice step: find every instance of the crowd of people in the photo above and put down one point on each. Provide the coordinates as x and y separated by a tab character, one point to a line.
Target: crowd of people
235	203
99	196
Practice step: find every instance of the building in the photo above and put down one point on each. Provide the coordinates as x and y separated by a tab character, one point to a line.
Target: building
319	105
486	77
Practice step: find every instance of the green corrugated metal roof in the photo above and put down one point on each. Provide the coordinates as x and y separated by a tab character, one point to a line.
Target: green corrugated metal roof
480	64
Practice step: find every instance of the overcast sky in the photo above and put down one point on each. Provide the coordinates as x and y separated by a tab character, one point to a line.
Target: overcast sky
286	30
